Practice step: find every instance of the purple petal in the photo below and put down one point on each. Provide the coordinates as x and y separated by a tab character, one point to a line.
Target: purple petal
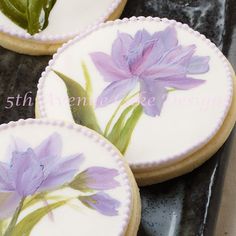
96	178
180	83
51	147
19	145
152	97
102	203
5	181
164	70
16	145
152	52
9	201
198	65
108	68
115	92
141	41
179	56
169	37
61	173
141	37
120	49
26	172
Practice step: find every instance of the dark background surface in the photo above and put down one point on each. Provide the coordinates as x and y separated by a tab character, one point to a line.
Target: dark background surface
186	206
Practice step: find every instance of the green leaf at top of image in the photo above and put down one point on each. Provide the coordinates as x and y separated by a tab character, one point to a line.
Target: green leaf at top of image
121	132
83	114
31	15
48	6
26	225
38	13
15	11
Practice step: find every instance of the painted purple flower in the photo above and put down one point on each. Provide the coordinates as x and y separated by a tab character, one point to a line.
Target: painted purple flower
32	171
156	62
95	178
102	203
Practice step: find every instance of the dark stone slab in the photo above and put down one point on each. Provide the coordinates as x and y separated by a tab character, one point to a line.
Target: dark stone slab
19	76
186	206
206	16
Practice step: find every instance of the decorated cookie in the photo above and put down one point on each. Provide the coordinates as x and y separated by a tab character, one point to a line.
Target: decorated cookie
159	91
40	27
59	179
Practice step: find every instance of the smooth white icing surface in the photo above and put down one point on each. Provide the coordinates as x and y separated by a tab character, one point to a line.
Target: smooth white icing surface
188	120
75	219
67	17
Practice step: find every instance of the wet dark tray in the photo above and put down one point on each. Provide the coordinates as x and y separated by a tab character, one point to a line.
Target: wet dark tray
186	206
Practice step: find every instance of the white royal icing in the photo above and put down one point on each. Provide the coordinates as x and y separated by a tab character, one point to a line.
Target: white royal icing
189	119
76	219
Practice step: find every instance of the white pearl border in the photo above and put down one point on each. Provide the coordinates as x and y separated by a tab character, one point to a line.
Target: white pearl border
59	38
174	158
97	139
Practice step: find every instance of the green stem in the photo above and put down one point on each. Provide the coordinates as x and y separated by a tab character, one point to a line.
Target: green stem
14	219
1	228
30	201
126	99
171	90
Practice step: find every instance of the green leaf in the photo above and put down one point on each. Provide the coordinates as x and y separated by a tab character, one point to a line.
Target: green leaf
15	11
121	133
31	15
115	133
39	198
26	225
48	5
20	4
88	89
123	101
83	113
2	227
35	10
128	129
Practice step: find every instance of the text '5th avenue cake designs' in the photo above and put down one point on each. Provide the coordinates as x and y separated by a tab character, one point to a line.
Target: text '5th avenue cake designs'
159	91
40	27
59	179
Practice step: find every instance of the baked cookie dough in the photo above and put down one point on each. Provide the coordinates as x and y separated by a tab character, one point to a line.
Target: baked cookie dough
52	24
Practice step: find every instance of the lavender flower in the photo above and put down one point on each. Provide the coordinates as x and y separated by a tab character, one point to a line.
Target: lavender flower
155	62
34	170
96	178
102	203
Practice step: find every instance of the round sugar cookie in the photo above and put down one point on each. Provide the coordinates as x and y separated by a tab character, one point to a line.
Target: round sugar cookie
41	27
64	179
159	91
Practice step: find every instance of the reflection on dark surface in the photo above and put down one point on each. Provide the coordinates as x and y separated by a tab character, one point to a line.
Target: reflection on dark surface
179	207
162	208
